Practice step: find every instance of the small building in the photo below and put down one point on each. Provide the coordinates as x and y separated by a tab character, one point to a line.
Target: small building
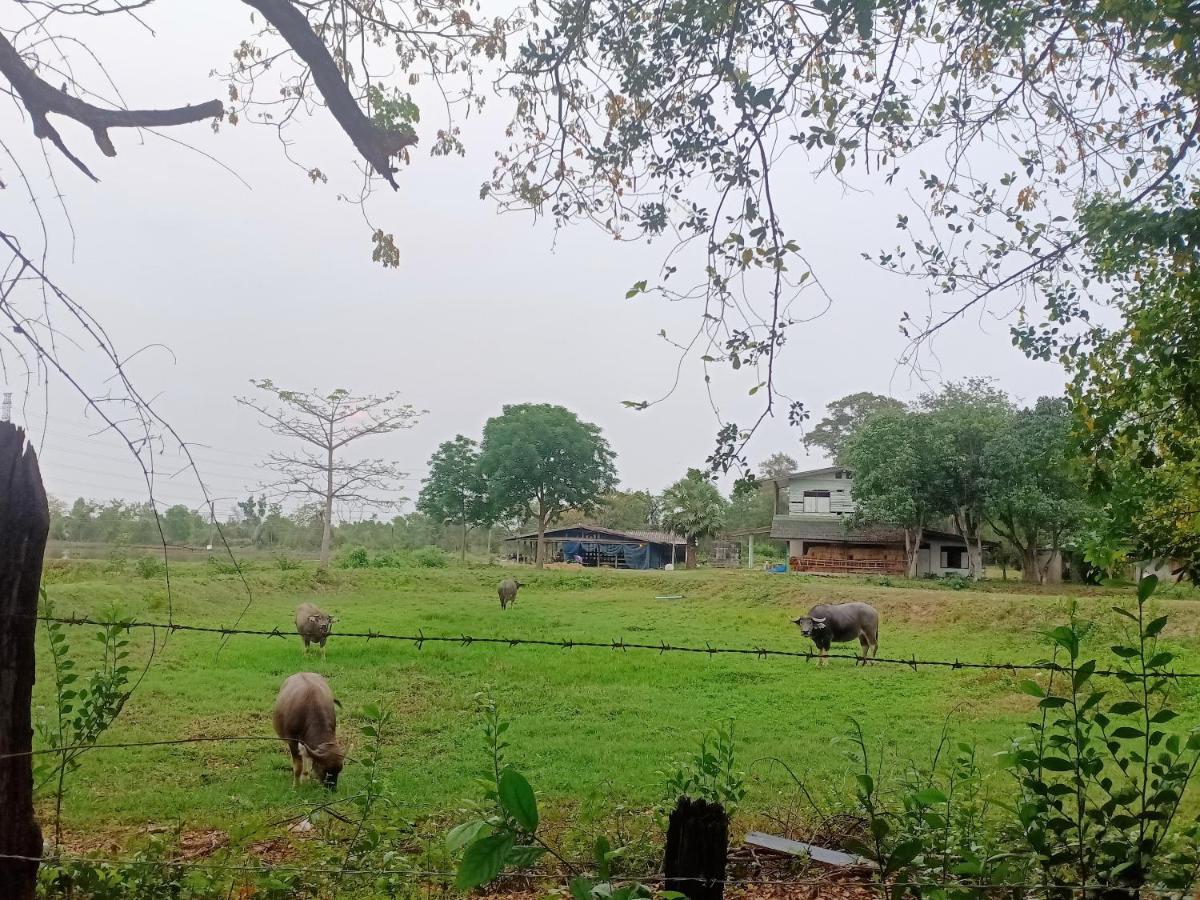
594	546
813	513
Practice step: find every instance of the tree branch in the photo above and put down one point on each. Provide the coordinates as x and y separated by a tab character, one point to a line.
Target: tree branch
40	98
376	145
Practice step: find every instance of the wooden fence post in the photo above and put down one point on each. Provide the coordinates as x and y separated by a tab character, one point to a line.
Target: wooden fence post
697	847
24	524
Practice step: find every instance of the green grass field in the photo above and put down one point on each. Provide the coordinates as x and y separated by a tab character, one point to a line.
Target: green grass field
592	729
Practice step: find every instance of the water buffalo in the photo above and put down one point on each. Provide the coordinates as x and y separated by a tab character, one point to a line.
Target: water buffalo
313	625
306	719
839	623
508	592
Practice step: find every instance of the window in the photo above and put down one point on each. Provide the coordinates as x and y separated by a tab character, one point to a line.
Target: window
816	501
952	558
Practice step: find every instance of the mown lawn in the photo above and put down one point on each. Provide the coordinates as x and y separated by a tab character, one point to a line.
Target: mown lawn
592	729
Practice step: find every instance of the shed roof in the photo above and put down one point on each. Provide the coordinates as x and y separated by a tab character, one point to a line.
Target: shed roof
839	531
649	537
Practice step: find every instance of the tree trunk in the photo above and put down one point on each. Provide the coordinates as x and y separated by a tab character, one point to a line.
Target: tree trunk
912	549
327	528
24	525
697	849
489	544
1029	564
464	541
541	542
690	555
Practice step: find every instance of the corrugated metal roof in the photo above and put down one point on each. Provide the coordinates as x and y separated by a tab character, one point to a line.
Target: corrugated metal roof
808	473
840	530
649	537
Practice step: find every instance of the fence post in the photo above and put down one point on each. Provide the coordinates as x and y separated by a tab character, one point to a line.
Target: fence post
24	523
697	847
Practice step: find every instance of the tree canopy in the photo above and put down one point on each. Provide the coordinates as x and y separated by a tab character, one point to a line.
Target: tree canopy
1016	124
895	476
843	417
325	424
454	490
694	508
540	460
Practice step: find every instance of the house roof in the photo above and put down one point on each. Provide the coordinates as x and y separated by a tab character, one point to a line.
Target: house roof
648	537
839	531
808	473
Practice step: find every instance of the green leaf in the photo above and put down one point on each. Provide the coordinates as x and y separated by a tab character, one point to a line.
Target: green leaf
839	161
1125	708
581	889
600	854
523	857
904	853
1057	764
1159	659
1084	672
930	796
1124	612
1156	626
1127	731
465	833
1146	587
483	861
1163	715
1032	688
1052	703
516	796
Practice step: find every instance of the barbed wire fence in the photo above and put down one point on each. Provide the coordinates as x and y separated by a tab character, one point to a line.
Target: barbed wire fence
418	639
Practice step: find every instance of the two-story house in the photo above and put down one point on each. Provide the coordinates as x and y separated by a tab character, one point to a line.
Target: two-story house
814	513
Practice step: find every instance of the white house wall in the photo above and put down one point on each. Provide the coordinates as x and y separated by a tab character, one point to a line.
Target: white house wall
840	501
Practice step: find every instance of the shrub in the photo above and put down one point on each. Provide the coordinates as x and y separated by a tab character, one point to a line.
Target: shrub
149	567
354	559
286	563
430	558
220	567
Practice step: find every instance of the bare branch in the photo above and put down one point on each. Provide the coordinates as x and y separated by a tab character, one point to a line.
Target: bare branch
41	99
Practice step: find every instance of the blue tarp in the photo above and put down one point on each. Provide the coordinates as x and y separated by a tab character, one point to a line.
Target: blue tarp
639	556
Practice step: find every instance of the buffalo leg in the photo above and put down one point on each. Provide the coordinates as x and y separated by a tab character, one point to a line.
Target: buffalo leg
865	643
824	659
297	762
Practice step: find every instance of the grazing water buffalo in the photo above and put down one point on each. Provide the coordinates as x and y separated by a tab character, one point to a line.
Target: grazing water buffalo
508	592
306	719
313	625
837	624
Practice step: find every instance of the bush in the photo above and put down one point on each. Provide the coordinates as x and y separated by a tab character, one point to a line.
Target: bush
220	567
354	559
430	558
149	567
389	561
286	563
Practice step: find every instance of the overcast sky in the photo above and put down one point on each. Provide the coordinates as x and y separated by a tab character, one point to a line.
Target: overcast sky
275	280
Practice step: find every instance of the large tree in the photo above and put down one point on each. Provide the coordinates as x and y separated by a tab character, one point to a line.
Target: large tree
843	417
694	508
540	460
455	491
1032	497
962	419
896	476
325	425
777	465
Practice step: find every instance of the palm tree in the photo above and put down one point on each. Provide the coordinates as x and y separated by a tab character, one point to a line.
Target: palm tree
694	508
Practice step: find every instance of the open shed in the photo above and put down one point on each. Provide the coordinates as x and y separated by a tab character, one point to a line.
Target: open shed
593	545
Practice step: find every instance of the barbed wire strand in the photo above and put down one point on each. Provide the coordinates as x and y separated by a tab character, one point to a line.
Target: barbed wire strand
420	639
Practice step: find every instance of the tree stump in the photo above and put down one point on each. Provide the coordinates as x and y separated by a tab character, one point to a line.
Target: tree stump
697	846
24	524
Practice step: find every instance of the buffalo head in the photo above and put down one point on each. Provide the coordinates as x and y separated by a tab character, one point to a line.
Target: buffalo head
810	625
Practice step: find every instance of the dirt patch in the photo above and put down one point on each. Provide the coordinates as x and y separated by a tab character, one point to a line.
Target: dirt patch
200	844
272	851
